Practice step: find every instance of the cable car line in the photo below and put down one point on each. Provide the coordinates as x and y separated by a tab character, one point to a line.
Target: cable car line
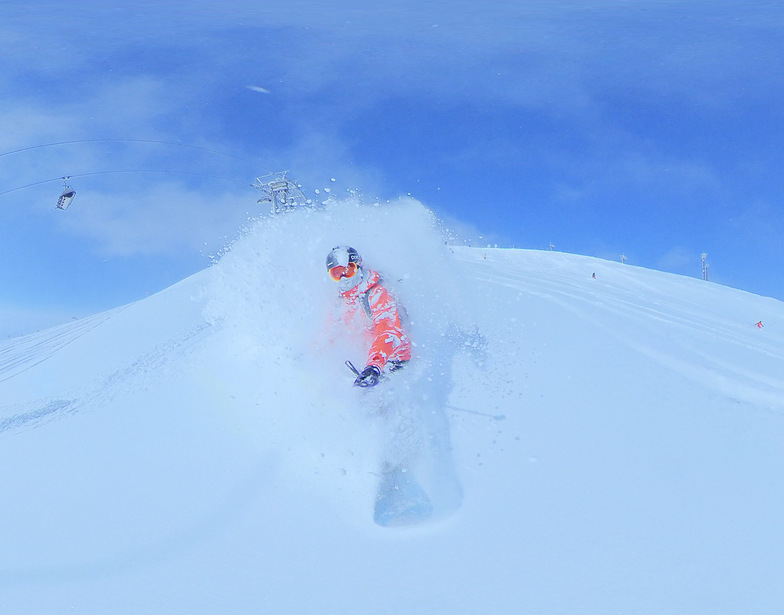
58	143
47	181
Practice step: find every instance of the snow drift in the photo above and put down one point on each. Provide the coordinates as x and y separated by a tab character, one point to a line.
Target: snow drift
596	437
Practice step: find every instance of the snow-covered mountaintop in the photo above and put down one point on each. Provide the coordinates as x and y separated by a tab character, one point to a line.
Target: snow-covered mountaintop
592	444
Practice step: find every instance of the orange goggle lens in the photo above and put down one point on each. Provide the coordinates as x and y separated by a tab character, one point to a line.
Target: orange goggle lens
339	272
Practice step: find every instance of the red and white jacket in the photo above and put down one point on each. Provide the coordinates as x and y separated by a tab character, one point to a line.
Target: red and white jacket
371	303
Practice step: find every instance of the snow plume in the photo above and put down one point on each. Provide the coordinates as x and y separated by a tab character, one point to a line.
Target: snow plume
272	298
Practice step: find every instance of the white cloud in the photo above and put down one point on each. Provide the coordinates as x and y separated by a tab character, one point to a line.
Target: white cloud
166	217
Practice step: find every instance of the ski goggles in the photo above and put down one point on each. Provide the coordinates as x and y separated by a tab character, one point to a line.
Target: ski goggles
340	272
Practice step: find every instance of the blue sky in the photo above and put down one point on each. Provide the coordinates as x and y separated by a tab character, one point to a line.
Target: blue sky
649	129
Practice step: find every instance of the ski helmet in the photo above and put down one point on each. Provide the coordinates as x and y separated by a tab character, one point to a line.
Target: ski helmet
342	256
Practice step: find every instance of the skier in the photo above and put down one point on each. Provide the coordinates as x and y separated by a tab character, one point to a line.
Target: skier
369	304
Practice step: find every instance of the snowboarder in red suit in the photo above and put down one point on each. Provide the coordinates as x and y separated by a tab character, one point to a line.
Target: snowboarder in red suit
368	302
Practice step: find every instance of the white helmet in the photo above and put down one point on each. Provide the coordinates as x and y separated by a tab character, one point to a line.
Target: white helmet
342	256
344	265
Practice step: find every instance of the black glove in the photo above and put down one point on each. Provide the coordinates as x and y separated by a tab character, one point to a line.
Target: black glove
369	377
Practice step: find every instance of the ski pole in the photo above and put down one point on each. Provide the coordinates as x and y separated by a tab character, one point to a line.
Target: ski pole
350	365
495	417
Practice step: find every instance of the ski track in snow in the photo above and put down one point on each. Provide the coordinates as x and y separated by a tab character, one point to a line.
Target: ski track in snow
30	351
694	340
42	411
21	354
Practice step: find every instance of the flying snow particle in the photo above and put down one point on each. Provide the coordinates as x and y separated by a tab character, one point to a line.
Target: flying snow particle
256	88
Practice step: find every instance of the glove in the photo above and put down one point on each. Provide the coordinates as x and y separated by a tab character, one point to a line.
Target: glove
369	377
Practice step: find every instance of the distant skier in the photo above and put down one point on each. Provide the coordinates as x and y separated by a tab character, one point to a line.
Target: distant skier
368	304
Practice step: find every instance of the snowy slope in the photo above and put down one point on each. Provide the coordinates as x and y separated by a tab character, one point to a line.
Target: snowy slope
593	445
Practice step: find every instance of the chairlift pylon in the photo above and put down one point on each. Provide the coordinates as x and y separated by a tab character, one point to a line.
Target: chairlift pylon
281	192
67	195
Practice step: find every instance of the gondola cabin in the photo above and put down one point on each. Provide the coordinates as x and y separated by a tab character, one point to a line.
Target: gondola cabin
66	197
